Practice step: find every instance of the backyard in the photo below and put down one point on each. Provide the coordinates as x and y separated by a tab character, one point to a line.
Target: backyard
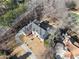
13	11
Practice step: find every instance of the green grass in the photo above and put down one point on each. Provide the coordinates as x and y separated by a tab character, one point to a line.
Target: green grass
13	10
76	17
8	18
46	43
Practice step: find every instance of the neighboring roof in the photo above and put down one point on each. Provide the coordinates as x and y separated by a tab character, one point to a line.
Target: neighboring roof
72	48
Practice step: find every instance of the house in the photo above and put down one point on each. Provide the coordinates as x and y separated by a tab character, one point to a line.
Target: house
31	39
40	29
